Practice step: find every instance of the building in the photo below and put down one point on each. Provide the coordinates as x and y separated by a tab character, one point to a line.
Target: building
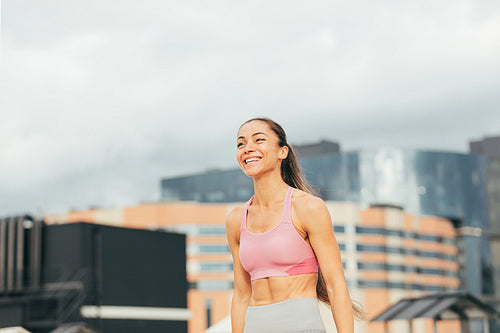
110	279
323	147
208	265
387	253
490	149
489	146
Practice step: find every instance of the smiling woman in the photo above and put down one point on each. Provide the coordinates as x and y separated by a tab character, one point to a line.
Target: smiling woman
279	240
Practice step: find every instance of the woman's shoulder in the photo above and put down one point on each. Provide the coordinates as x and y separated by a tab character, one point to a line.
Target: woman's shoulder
304	201
308	209
233	219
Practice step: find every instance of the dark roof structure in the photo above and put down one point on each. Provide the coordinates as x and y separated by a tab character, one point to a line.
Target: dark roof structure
441	306
316	149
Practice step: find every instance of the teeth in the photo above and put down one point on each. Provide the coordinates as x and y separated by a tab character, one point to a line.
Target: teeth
251	160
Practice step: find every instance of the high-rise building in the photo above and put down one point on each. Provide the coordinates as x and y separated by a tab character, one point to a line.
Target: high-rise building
489	146
490	149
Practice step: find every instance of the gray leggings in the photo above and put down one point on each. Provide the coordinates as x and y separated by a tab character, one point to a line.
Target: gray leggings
297	315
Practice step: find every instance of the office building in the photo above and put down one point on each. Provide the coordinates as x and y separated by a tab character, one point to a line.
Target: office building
490	149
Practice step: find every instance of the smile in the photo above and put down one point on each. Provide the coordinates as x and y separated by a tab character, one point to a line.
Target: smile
251	160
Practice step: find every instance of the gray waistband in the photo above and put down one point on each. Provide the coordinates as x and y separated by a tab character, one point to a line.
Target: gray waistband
290	316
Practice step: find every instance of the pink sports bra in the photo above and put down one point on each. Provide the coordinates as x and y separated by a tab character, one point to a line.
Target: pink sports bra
280	251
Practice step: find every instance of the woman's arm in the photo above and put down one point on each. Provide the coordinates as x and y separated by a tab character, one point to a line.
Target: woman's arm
313	216
242	288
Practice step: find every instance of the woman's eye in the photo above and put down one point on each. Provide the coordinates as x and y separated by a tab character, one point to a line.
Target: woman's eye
259	139
239	144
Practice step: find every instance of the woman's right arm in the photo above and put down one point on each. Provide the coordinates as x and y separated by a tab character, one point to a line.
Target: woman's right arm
242	288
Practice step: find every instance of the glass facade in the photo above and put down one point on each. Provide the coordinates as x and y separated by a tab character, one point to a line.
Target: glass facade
494	193
494	209
433	183
490	148
449	185
214	186
443	184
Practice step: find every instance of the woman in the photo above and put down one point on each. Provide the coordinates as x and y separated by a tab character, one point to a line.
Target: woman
278	239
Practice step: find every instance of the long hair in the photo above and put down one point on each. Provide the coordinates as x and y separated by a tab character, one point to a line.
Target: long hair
292	176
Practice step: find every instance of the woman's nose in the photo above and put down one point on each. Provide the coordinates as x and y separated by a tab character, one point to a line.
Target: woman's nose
249	148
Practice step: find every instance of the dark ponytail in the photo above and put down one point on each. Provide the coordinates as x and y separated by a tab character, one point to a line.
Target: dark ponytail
292	175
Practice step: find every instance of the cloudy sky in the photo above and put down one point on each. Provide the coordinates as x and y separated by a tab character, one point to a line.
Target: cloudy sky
100	99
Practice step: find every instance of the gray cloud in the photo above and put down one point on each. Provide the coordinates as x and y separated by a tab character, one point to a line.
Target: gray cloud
100	99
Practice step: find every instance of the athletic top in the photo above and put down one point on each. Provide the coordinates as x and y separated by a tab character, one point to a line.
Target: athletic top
280	251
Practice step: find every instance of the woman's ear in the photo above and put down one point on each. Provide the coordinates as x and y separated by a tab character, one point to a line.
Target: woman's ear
283	152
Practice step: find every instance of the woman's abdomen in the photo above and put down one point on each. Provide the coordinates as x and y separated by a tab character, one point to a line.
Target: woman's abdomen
280	288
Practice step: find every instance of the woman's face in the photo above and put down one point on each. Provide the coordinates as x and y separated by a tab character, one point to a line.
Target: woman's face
257	149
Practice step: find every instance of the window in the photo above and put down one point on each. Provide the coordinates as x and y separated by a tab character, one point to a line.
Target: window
370	231
214	285
373	284
381	266
433	271
397	268
212	230
432	288
370	248
371	265
213	248
396	285
339	228
430	238
430	254
216	267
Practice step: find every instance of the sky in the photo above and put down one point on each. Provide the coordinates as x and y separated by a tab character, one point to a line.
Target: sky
99	100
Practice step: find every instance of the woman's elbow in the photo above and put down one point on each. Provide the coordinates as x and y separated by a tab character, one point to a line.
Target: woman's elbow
241	296
336	288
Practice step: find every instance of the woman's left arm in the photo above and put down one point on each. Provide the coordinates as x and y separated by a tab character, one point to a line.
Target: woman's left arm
314	218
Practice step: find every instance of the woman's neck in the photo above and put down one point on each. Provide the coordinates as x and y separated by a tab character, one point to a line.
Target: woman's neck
268	189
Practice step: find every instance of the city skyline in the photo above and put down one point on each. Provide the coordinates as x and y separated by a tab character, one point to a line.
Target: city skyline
100	100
